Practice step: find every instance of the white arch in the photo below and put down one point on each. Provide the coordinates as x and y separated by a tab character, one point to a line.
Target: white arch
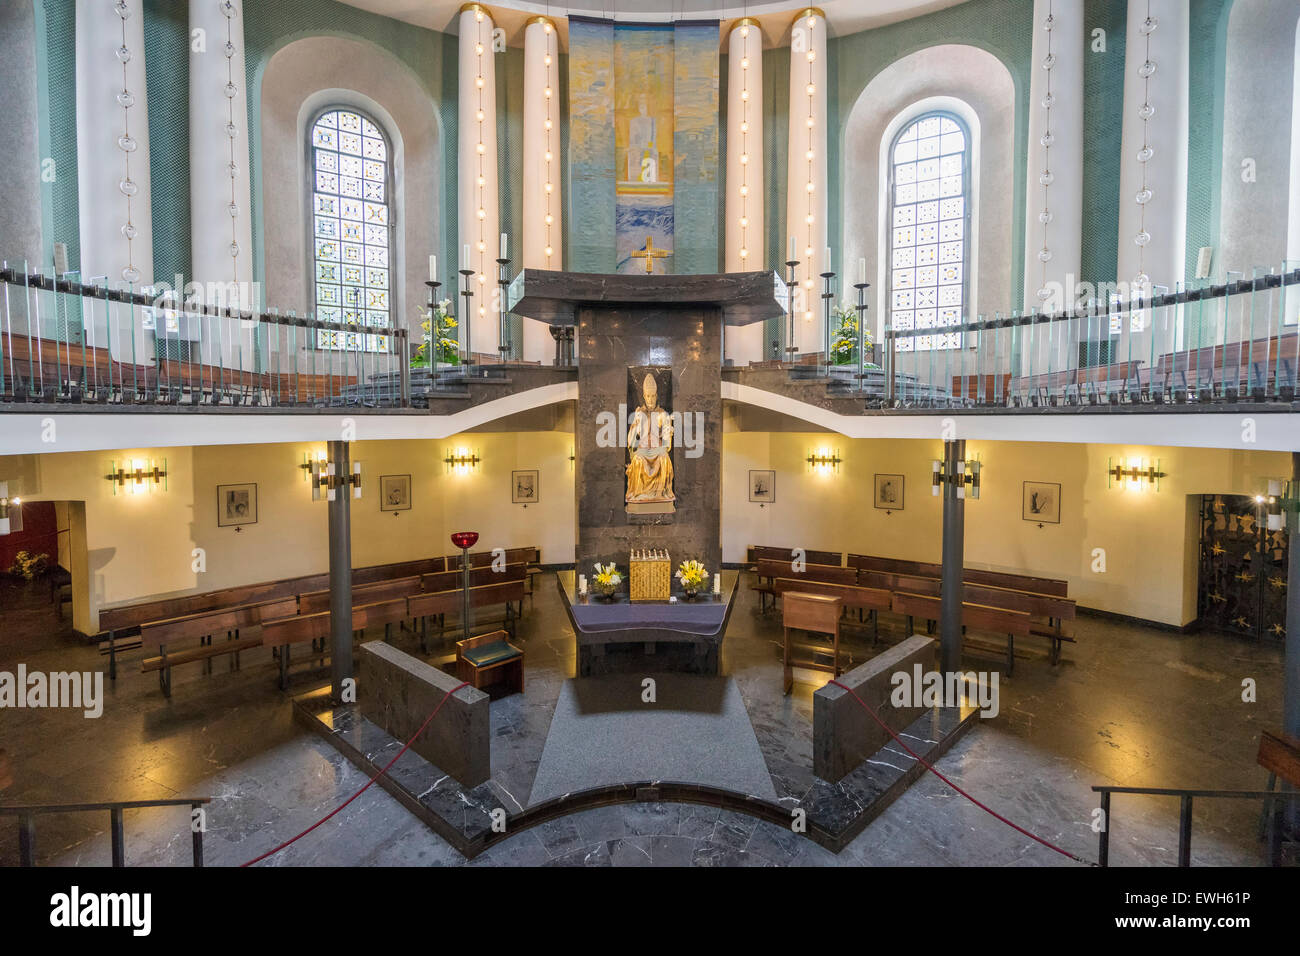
977	87
301	79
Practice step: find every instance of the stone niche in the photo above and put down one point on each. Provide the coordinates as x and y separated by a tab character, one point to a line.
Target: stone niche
682	343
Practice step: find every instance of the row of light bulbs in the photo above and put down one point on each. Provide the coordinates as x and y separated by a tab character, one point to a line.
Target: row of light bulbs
480	115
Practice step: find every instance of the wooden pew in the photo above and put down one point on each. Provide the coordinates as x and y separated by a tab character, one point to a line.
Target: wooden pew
979	617
1001	579
203	626
313	602
829	581
282	633
1279	754
1048	612
487	589
757	553
122	620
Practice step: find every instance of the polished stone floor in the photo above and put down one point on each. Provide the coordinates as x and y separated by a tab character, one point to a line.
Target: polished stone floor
1129	706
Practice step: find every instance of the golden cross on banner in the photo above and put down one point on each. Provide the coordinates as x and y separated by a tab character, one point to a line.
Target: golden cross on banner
650	254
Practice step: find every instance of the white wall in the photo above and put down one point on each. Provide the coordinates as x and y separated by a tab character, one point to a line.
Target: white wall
1147	536
141	546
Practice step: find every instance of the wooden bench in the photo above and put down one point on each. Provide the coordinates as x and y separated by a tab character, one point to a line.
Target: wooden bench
978	617
1232	369
830	581
1002	579
124	620
768	569
1279	754
281	634
204	627
756	553
313	602
429	604
478	659
1047	612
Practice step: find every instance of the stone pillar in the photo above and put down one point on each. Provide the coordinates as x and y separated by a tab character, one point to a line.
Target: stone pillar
1054	184
20	202
340	570
806	199
1153	157
113	186
1291	655
543	244
954	555
479	206
221	232
746	233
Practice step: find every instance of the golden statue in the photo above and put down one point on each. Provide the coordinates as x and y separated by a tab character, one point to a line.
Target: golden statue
650	442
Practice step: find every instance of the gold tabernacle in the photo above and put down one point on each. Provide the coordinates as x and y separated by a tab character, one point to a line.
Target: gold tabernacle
650	577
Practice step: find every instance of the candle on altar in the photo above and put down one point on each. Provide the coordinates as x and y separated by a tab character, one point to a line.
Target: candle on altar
717	582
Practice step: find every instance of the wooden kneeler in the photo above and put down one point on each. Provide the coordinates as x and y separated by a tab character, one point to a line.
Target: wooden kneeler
818	614
490	657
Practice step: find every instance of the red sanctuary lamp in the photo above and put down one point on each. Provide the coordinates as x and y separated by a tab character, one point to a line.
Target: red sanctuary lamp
465	540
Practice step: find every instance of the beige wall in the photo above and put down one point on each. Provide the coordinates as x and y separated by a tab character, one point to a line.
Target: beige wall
141	546
1149	537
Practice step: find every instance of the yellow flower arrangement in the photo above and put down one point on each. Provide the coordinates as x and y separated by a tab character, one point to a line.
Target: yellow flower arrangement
693	576
607	579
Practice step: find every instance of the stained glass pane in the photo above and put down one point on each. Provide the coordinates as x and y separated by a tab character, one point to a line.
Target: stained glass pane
928	247
350	224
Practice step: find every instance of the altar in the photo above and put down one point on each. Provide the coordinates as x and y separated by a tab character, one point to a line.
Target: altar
618	635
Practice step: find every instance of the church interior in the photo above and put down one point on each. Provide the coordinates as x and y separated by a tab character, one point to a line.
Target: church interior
675	433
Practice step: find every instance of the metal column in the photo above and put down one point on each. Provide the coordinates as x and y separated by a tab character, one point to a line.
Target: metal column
954	527
340	517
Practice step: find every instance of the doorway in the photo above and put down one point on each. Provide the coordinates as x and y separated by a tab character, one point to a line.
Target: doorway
1243	569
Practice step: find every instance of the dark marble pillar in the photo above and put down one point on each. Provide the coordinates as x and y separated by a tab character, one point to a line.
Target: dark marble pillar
612	339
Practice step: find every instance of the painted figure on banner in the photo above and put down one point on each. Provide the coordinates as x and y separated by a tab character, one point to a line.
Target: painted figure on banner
650	443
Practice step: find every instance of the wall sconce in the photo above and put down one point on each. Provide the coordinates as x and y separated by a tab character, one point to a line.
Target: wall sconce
824	461
1136	476
1283	496
462	461
323	473
6	505
966	476
137	477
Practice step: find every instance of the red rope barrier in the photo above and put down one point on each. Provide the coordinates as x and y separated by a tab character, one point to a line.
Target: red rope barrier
930	767
383	771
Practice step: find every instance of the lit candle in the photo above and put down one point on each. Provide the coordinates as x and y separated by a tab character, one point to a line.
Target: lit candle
433	268
505	242
862	271
717	582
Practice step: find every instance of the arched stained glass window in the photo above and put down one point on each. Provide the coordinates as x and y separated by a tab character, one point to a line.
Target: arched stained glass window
929	218
351	229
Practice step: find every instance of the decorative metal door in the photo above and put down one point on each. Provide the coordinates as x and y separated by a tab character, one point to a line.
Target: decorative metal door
1243	568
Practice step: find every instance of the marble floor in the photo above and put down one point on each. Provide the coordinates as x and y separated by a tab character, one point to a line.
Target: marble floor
1129	705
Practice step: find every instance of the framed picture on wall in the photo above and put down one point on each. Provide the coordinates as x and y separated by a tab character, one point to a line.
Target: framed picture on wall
1042	502
236	505
762	486
394	492
889	492
525	489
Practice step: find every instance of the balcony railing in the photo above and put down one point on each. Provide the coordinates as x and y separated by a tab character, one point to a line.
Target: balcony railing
68	341
1210	343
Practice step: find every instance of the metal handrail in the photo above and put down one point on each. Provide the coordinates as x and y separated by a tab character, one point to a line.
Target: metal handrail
1185	796
27	814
